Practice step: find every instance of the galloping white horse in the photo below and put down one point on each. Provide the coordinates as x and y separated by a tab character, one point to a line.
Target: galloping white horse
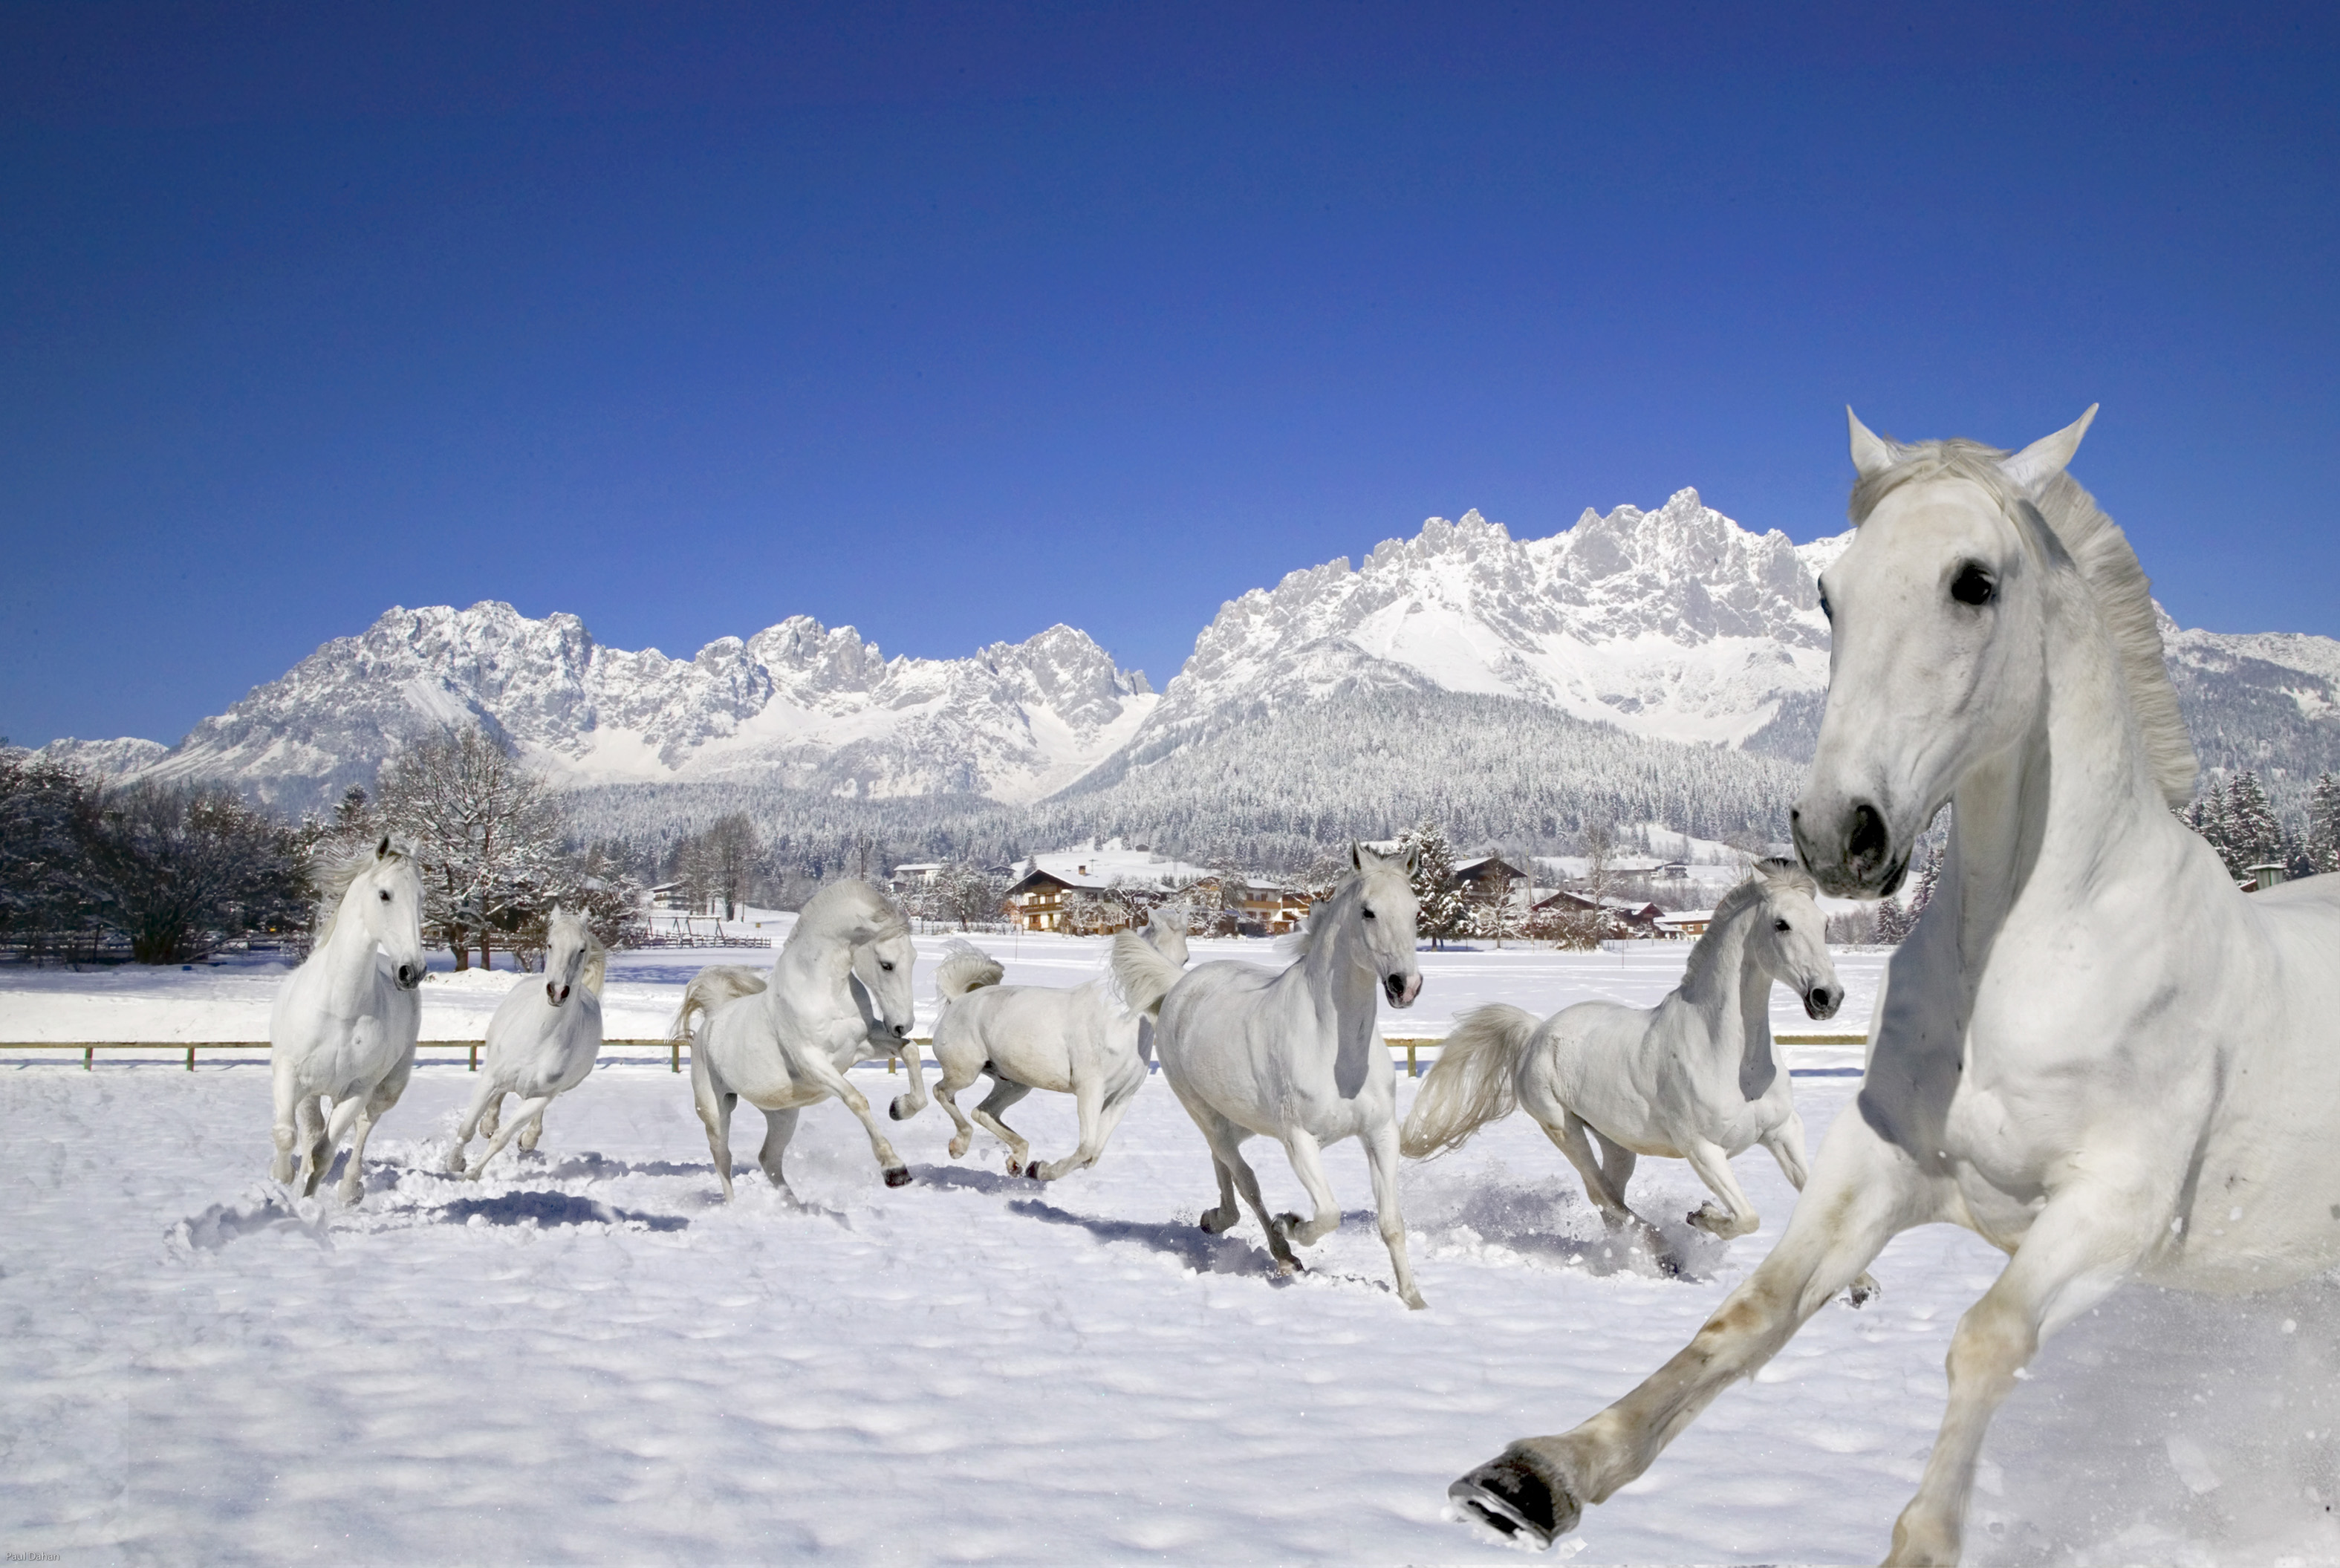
1294	1054
543	1040
2093	1051
1075	1040
1692	1078
343	1026
839	987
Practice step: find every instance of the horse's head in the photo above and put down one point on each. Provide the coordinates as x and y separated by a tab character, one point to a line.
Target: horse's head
1791	937
386	896
568	954
1937	660
1385	907
883	958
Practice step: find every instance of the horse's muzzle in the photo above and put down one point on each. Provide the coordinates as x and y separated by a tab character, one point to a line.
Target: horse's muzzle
555	993
1402	989
1821	1002
901	1031
1852	856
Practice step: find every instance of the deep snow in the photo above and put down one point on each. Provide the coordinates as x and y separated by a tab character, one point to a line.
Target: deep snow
585	1356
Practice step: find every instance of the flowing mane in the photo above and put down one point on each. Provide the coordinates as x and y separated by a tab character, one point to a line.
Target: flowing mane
1761	879
2106	564
334	881
841	904
1297	943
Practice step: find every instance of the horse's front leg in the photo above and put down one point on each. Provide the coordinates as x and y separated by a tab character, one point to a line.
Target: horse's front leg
1786	1143
779	1126
1307	1156
1736	1216
2081	1246
1088	1103
285	1127
817	1067
913	1057
477	1117
369	1107
1864	1192
1380	1159
525	1117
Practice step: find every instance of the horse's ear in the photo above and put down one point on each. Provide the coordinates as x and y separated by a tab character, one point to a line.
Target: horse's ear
1413	858
2043	459
1871	452
1356	855
382	850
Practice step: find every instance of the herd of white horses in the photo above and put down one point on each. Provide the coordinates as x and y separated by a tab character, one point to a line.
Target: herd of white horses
2093	1051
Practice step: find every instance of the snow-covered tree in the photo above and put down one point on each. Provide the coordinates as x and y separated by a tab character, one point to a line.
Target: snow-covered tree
2253	838
486	832
2324	824
173	868
1444	909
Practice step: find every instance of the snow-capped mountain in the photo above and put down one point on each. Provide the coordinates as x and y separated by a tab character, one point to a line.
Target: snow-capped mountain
1675	624
798	704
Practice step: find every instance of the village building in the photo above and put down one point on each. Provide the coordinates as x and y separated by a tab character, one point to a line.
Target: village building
1632	919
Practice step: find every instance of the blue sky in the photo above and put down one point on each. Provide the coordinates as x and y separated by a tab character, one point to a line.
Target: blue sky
952	321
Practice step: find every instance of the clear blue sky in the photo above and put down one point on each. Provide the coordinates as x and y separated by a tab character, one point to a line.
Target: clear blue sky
951	321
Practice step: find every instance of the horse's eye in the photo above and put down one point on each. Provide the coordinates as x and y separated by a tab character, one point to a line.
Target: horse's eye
1973	585
385	895
887	964
1369	913
1781	926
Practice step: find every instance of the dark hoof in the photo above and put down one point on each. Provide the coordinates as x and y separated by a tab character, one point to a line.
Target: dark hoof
896	1111
900	1176
1014	1167
1033	1170
1513	1500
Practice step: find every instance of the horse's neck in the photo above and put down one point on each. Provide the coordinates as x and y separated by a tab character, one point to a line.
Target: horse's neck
808	979
1344	993
1730	990
347	957
2032	828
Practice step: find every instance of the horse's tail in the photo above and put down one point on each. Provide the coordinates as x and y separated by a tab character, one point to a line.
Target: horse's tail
1143	976
1473	1082
1167	929
709	989
964	968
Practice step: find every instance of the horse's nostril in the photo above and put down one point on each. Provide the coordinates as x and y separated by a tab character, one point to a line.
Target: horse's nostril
901	1031
1868	840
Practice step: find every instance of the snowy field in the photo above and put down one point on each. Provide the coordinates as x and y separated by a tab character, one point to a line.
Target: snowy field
586	1357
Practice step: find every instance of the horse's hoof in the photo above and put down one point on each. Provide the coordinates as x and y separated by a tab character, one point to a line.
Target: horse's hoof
1014	1165
898	1175
1214	1222
896	1111
1414	1301
1862	1291
1509	1497
1033	1170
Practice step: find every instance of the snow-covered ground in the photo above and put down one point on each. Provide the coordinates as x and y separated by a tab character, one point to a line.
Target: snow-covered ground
586	1357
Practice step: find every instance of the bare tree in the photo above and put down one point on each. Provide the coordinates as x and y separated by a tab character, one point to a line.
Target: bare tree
43	879
175	868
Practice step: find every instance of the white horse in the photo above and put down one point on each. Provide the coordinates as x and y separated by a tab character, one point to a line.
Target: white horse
343	1026
1076	1040
839	987
1294	1055
1692	1078
2093	1051
543	1040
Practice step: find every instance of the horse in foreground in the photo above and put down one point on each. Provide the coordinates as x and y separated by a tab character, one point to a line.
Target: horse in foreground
2093	1050
543	1041
1693	1078
343	1026
1296	1054
840	986
1076	1040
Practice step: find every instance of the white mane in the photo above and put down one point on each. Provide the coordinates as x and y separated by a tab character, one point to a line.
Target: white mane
1763	878
2124	594
841	906
333	882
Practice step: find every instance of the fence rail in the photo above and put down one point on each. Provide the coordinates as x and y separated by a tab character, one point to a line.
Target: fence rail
1412	1046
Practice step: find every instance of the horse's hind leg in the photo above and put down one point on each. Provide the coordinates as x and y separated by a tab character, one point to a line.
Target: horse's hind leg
283	1128
779	1126
946	1090
1004	1092
1307	1156
1380	1159
309	1137
1226	1139
1222	1218
528	1139
713	1105
1569	1138
1617	1161
492	1113
1864	1191
2081	1246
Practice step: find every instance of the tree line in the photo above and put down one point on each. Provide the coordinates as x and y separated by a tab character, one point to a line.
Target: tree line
172	872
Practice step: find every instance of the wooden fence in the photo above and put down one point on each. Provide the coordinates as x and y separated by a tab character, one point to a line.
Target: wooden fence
1413	1046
